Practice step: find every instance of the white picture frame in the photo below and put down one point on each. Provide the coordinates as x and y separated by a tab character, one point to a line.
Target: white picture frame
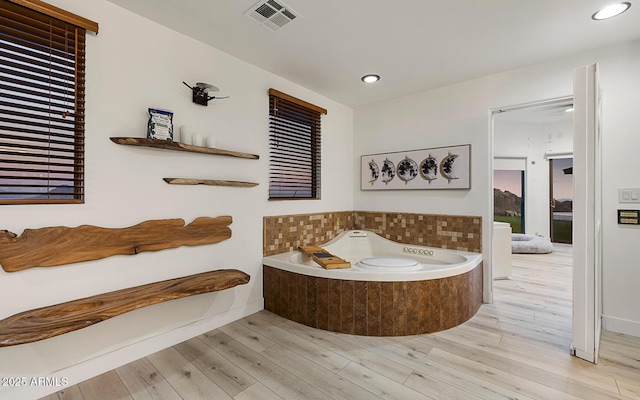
434	168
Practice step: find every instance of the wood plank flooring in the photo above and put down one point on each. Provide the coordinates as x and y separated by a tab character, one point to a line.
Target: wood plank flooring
516	348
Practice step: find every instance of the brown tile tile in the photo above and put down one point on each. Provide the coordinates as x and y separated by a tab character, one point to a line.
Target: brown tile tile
447	294
465	297
476	289
286	233
399	308
386	309
424	312
374	308
269	288
292	290
441	231
413	308
334	295
312	302
347	307
360	307
435	305
374	313
323	303
283	294
301	298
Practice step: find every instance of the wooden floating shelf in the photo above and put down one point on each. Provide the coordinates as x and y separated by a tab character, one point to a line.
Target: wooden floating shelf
59	245
46	322
170	145
209	182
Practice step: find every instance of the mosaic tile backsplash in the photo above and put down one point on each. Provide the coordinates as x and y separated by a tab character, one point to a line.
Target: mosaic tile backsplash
282	233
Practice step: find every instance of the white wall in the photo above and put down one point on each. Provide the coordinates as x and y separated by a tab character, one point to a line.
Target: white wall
459	114
532	141
133	64
620	141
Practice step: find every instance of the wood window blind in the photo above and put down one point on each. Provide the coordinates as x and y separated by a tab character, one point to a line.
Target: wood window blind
42	62
294	143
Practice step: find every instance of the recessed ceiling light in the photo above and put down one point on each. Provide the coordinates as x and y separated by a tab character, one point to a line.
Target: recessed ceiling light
611	11
371	78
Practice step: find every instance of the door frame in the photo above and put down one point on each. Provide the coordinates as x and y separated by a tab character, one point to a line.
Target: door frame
587	226
583	303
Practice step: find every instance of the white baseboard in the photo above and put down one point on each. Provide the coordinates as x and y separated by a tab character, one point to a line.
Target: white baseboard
106	362
620	325
487	297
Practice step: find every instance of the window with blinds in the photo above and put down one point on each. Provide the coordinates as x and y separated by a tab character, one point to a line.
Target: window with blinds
294	143
41	107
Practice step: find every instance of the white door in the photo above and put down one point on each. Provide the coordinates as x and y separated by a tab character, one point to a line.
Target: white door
587	212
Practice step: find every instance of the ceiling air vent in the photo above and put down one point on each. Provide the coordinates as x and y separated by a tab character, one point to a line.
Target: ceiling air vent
272	14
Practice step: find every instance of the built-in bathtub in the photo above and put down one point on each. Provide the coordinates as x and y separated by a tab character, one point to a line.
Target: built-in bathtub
391	289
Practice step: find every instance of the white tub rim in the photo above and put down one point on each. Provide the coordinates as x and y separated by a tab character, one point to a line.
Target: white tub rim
290	261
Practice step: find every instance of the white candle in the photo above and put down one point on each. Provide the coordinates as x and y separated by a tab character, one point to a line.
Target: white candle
186	133
210	141
197	139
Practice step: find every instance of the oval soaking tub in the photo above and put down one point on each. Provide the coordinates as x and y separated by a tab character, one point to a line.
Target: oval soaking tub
391	289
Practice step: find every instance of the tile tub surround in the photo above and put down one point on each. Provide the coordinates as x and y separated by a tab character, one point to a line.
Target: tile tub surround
283	233
454	232
373	308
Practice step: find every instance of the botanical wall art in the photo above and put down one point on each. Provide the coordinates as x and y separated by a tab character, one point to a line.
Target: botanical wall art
436	168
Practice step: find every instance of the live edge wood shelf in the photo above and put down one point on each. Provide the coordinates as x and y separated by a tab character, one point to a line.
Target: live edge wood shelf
46	322
60	245
209	182
177	146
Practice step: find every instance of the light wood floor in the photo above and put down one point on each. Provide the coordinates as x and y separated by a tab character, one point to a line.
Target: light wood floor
516	348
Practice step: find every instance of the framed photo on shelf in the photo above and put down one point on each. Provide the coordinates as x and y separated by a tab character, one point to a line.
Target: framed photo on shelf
435	168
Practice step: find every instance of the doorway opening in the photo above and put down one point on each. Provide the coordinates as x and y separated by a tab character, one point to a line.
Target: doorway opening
528	142
586	261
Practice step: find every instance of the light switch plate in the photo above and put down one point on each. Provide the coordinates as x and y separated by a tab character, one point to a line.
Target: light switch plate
628	195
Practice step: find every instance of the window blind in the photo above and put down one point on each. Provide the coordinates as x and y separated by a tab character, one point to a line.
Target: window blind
42	62
294	142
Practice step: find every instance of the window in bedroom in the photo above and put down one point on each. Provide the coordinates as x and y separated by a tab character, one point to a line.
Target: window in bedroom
42	61
508	197
294	143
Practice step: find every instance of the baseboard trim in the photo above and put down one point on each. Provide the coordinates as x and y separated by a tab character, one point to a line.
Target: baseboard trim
621	325
106	362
